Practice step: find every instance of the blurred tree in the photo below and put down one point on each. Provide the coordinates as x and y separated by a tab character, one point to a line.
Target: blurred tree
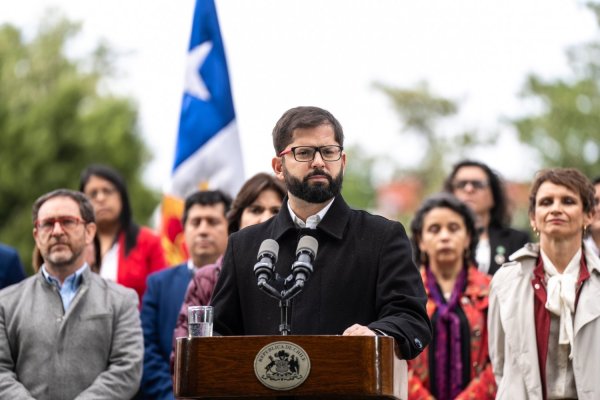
358	187
56	117
421	112
564	130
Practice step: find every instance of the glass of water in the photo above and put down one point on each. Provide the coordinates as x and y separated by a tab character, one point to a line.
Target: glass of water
200	321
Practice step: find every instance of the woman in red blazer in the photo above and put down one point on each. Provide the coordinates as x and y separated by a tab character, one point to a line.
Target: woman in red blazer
129	252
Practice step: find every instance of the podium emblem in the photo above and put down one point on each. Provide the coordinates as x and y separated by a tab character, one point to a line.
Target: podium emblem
282	365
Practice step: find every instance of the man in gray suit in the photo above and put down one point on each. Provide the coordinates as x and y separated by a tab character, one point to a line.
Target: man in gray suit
66	333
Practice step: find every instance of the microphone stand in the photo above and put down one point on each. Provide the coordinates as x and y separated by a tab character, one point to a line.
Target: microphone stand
301	270
284	327
285	301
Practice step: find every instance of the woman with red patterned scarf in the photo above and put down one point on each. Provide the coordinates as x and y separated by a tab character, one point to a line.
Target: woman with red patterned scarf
456	363
544	320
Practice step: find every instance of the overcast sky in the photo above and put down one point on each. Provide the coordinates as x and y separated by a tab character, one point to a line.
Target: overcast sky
284	53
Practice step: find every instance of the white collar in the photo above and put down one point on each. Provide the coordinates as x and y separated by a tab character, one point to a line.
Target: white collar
190	265
313	220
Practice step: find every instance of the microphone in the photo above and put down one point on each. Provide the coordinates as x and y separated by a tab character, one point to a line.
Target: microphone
302	268
267	257
305	255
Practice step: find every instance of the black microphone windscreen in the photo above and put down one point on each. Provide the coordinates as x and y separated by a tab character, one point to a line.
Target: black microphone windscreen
269	246
307	243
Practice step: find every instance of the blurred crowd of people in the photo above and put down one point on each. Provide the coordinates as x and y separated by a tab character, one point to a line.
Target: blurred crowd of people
510	317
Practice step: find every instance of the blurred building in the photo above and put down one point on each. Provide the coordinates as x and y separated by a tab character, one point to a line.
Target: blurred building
400	199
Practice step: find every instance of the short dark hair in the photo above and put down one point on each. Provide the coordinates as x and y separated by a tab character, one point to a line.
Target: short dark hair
206	198
444	200
85	207
249	193
570	178
302	118
596	180
499	215
105	172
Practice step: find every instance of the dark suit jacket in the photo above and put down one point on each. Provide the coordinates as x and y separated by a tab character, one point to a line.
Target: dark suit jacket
504	242
11	269
160	306
363	273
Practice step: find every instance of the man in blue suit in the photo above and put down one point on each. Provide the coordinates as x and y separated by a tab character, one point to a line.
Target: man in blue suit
205	231
11	269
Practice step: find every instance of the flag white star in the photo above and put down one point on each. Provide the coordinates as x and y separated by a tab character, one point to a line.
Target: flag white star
194	84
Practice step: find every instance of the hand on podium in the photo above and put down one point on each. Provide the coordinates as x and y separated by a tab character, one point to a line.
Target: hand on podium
358	330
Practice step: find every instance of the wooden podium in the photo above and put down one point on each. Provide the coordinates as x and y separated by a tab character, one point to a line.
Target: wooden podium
318	367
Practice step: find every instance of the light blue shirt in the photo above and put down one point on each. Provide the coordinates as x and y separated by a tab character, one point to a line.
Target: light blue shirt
69	288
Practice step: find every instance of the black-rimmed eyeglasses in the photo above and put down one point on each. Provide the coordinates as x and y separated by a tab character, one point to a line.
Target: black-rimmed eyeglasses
307	153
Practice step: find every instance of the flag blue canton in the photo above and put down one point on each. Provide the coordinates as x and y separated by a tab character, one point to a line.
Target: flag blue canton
207	105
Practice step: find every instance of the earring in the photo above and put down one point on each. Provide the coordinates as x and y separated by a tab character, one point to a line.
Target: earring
537	233
585	227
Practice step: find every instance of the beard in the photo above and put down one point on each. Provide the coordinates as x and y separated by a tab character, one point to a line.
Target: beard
314	192
61	258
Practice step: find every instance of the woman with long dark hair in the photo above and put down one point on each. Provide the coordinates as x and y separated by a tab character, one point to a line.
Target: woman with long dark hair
456	363
129	252
475	184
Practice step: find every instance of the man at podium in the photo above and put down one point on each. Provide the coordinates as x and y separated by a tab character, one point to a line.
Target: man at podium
363	280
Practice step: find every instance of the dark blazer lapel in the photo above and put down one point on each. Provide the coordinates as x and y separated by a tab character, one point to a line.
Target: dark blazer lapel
282	222
183	277
337	217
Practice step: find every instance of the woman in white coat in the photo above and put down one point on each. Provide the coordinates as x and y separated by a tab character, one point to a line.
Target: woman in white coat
544	325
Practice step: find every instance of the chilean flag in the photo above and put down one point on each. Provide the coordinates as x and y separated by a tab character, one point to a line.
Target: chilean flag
208	153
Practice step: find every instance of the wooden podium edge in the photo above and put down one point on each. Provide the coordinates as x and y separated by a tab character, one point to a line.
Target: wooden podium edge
386	377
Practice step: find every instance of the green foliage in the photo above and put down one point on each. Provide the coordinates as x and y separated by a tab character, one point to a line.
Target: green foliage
421	111
419	108
358	188
564	131
54	121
